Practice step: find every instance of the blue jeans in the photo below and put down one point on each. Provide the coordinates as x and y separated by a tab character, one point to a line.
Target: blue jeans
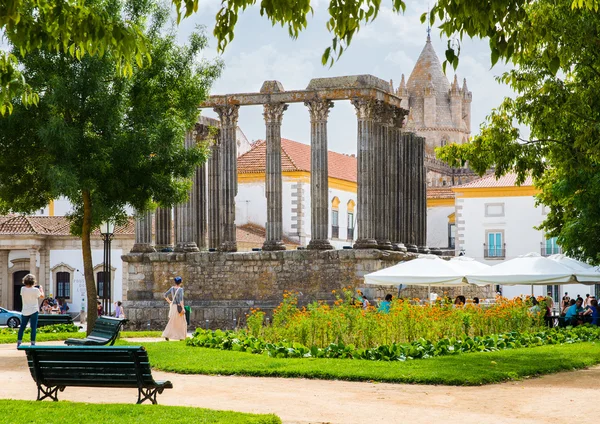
33	319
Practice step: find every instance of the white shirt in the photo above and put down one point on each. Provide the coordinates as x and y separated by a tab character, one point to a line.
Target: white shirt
30	296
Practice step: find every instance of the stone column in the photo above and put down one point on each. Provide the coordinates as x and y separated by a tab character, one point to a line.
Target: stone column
33	262
365	110
43	269
228	175
421	236
382	226
319	175
163	224
143	233
273	114
411	192
4	283
185	213
214	184
200	180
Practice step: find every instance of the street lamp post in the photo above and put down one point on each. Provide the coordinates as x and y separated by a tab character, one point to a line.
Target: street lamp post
107	229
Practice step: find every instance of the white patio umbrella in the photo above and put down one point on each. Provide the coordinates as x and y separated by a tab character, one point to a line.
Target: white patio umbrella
467	265
530	269
585	273
426	270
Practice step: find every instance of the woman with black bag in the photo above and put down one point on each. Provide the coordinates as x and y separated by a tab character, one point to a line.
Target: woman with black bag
176	328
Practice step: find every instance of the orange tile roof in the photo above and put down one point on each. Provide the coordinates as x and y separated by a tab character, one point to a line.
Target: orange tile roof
508	180
295	156
49	225
252	233
440	193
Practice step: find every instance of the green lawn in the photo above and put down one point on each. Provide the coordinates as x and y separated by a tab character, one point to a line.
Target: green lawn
49	337
20	411
465	369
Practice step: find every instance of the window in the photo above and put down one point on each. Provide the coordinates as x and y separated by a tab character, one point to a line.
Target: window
495	246
550	247
350	227
494	209
335	222
451	235
63	285
555	290
335	226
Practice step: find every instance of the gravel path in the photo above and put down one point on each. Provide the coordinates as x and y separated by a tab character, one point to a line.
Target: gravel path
559	398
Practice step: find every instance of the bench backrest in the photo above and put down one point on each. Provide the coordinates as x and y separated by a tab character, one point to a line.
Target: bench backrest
91	366
49	319
107	328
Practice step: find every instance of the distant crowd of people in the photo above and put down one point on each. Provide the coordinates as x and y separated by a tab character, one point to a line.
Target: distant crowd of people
579	310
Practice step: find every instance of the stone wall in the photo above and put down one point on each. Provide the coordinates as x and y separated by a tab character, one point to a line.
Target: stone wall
222	287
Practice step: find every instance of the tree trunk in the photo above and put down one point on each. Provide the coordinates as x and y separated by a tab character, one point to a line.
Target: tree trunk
88	269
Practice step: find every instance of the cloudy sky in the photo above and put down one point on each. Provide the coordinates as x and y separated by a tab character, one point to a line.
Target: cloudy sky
387	48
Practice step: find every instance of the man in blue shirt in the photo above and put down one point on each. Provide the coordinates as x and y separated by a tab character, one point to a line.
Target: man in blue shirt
573	312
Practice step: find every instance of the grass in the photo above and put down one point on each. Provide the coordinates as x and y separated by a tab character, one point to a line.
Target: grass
467	369
50	337
19	411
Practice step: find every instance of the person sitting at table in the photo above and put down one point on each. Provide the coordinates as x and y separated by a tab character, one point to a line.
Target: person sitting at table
460	300
593	312
566	305
574	313
46	308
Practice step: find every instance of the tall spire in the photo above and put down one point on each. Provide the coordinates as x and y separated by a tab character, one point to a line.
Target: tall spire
455	89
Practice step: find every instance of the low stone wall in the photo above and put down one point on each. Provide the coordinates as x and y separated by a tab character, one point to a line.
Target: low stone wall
222	287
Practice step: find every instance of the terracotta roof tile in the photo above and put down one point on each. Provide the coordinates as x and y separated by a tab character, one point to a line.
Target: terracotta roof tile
440	193
295	156
252	233
508	180
49	225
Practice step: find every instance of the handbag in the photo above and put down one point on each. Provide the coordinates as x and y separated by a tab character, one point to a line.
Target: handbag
179	309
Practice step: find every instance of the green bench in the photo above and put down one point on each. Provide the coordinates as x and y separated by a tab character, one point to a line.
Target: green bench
106	331
51	319
55	367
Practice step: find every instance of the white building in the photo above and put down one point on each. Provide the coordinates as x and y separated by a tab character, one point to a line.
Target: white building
496	220
251	200
43	246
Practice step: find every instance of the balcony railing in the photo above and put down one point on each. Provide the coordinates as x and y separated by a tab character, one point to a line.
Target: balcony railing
350	236
335	232
494	252
547	251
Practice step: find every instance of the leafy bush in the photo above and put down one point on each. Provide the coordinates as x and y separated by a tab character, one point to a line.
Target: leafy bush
417	349
55	328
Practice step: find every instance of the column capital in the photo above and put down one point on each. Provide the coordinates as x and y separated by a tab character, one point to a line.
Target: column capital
273	112
399	118
365	108
319	109
228	114
383	113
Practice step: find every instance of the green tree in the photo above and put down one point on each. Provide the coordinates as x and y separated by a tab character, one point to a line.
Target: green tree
558	98
74	27
103	141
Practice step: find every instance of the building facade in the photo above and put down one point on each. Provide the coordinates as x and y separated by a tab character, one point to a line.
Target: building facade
496	220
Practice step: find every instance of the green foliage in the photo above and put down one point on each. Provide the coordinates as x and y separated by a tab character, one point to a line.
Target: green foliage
71	27
418	349
557	81
21	411
467	369
55	328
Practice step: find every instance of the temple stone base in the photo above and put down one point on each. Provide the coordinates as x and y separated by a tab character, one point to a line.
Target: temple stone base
222	287
186	247
319	245
365	244
271	246
142	248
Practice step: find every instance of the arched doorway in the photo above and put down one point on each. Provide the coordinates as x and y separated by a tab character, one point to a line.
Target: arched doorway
17	284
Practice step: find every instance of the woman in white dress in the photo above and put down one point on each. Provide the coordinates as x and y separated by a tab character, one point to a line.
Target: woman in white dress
176	328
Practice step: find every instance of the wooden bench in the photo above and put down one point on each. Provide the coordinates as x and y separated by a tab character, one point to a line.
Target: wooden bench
51	319
106	331
55	367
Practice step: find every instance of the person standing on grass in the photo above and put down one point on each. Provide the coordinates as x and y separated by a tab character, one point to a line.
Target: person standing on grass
177	326
30	296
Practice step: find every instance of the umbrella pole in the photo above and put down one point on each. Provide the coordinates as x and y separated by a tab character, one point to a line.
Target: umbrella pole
429	293
532	290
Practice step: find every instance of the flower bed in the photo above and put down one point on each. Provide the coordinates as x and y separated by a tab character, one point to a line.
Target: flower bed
418	349
345	322
55	328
